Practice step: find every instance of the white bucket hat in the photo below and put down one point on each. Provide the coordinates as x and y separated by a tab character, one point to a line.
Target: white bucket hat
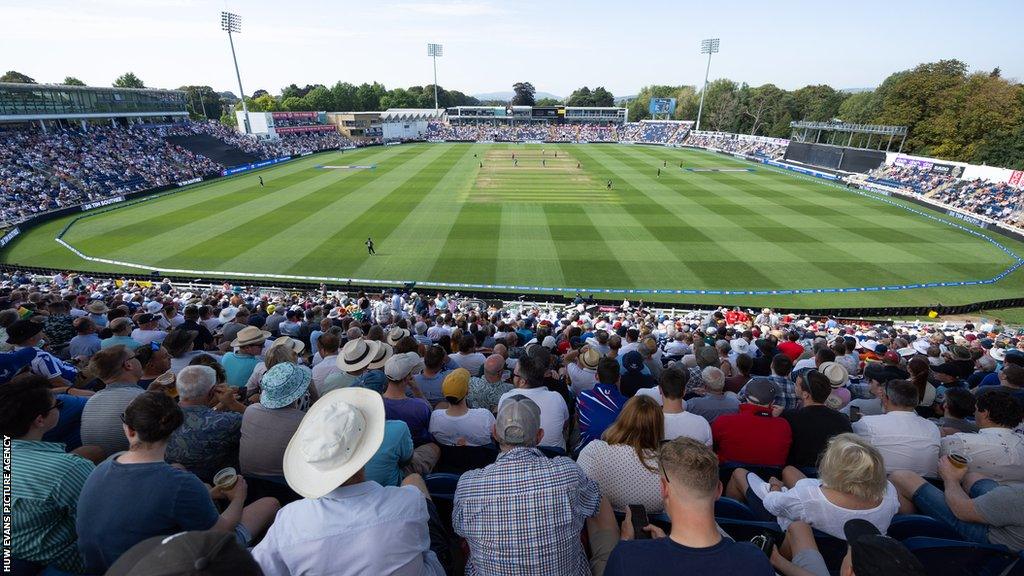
740	346
339	434
295	344
357	354
227	315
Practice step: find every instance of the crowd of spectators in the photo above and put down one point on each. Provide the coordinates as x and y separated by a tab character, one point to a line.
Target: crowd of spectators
41	171
995	200
735	145
313	427
921	180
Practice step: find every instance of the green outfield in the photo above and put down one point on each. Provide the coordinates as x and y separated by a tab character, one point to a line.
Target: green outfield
468	213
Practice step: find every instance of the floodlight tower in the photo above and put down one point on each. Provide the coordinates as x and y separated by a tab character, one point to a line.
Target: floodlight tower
435	51
233	23
708	46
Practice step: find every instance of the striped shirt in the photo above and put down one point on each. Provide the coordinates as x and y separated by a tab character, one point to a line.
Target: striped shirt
101	417
45	485
523	515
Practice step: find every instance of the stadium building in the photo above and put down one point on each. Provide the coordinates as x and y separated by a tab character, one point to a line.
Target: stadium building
505	115
51	106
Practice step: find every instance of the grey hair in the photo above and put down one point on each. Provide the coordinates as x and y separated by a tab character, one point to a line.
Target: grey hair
195	382
713	378
987	363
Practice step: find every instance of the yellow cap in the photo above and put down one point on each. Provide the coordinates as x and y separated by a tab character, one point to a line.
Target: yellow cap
456	385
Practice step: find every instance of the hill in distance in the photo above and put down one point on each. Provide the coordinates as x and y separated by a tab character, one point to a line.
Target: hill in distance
507	95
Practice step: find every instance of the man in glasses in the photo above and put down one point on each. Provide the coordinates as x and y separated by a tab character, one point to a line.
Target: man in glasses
46	481
120	370
906	440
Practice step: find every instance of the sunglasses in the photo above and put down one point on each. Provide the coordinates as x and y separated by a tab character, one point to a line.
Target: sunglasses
57	405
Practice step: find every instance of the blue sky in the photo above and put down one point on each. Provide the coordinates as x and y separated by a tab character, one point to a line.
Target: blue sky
489	44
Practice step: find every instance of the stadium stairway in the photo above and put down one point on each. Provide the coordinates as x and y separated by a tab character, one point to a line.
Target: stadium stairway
214	149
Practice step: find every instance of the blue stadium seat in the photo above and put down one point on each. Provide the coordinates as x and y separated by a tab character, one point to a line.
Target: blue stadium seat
725	471
442	485
458	459
953	558
734	509
906	526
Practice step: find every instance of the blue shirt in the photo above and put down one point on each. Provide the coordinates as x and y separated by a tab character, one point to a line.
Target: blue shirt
124	504
373	379
385	466
13	362
238	368
431	386
597	408
666	556
126	341
69	427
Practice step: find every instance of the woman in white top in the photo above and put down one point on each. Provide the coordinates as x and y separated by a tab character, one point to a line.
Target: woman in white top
851	484
624	463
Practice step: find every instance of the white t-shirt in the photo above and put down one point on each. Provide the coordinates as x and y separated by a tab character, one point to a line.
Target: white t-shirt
906	441
553	412
474	427
806	502
145	337
581	378
689	425
472	362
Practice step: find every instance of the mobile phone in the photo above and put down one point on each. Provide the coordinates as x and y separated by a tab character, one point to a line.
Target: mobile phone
765	541
854	413
638	517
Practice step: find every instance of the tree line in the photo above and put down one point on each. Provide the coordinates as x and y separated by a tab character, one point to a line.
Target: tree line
951	113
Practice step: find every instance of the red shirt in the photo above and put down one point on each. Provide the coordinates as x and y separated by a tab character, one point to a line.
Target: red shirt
753	436
791	349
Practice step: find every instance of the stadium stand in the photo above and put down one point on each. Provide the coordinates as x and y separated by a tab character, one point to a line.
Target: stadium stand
734	144
488	368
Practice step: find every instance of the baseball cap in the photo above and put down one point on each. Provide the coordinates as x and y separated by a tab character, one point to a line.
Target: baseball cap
878	555
518	420
399	366
891	357
145	318
762	390
456	385
22	330
206	553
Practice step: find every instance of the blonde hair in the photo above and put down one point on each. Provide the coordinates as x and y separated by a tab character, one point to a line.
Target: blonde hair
641	425
690	464
853	466
456	337
282	354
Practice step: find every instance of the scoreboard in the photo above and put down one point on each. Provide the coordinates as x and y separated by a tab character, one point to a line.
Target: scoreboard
549	112
662	106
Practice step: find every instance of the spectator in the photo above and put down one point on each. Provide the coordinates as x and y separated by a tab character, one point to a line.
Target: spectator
147	331
86	342
598	407
347	524
486	390
44	481
906	441
851	484
269	424
121	329
180	344
458	424
411	409
583	372
753	436
791	347
978	509
679	421
499	508
716	401
165	500
27	335
434	372
357	354
814	423
218	552
155	360
996	451
956	408
249	347
120	370
528	378
207	440
689	486
624	461
327	347
468	357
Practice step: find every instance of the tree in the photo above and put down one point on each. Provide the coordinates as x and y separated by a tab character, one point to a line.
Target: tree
580	97
128	80
524	94
402	98
260	92
320	98
548	102
603	97
16	77
344	95
368	96
860	108
758	105
202	98
721	106
72	81
295	104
